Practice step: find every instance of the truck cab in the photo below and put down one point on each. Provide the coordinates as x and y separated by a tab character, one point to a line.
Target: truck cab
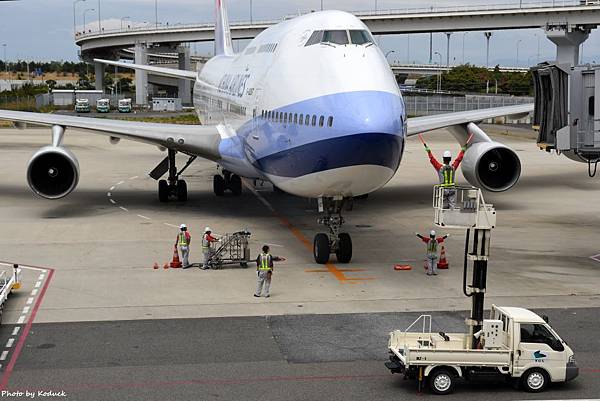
82	106
535	345
125	106
514	343
103	106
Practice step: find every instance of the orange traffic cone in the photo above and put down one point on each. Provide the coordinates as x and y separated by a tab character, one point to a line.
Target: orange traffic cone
166	266
402	267
155	265
175	263
443	262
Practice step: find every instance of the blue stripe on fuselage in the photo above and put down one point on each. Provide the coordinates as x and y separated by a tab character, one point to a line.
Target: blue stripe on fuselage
367	129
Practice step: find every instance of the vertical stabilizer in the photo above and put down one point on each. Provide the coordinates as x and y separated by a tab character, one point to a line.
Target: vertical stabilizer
222	33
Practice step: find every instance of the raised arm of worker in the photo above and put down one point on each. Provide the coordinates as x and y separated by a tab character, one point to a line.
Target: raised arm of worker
442	239
460	156
424	239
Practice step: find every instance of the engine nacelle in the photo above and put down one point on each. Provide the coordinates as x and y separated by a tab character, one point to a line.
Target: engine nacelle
491	166
53	172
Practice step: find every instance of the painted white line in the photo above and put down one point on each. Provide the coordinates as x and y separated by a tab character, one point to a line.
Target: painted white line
10	342
38	284
596	257
112	188
16	330
112	201
29	300
134	177
123	208
120	182
26	310
41	277
109	194
34	292
4	355
170	225
260	197
143	217
21	319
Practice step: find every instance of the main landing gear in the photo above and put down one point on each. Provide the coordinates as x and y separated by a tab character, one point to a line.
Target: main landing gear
334	241
172	187
227	181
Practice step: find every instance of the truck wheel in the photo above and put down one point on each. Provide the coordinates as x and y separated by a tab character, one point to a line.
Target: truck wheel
534	380
441	382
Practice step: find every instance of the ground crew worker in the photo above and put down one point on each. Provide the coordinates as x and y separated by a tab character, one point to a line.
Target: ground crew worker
447	172
183	241
264	272
432	247
207	247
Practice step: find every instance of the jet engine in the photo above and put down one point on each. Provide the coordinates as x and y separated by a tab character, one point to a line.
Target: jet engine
491	166
53	172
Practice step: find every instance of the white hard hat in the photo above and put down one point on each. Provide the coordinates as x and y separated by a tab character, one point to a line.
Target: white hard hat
182	226
207	229
447	154
432	233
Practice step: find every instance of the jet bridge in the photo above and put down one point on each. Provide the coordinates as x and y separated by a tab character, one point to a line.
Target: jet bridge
567	111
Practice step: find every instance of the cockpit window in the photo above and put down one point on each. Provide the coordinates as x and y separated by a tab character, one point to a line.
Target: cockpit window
315	38
360	37
336	37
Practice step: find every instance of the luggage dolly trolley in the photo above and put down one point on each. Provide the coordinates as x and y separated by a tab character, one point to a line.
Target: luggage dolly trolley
233	249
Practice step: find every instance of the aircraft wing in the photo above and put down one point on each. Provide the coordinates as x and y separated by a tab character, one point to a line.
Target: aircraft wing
199	140
418	125
166	72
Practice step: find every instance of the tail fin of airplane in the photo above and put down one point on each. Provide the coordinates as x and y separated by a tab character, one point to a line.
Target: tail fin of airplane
223	44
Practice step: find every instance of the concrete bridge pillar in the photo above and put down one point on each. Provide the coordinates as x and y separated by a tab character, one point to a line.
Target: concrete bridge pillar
99	70
568	41
141	77
185	85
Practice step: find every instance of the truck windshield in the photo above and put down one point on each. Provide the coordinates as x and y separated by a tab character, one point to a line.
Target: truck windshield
539	334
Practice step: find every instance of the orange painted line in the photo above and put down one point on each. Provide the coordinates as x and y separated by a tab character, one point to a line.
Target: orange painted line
327	271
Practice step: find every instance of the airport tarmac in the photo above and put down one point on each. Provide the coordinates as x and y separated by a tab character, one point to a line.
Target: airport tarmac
99	244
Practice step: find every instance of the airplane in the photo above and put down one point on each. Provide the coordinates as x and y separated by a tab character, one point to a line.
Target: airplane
310	105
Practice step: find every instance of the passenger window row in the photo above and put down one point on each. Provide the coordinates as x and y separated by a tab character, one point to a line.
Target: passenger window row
295	118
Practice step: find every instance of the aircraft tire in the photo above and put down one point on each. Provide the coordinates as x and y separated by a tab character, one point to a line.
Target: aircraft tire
163	191
321	248
236	185
182	193
218	185
344	251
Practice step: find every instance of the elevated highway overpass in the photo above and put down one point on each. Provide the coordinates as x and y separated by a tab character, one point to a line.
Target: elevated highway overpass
567	24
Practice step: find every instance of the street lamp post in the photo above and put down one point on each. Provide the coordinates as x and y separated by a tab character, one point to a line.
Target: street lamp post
84	13
488	35
123	19
5	60
99	19
74	19
156	12
448	49
250	11
463	47
375	5
388	53
439	83
518	43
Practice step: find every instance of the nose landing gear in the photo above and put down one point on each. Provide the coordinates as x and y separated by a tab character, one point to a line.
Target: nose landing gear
334	241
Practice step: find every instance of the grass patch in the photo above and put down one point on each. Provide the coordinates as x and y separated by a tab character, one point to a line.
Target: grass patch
184	119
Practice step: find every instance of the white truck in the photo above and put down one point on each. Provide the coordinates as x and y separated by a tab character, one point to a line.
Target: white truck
10	279
125	106
103	105
82	106
514	343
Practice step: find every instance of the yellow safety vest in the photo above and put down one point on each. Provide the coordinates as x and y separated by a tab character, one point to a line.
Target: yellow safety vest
447	174
432	246
264	262
182	239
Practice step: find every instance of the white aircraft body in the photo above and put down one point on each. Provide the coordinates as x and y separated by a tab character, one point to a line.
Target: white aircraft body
311	105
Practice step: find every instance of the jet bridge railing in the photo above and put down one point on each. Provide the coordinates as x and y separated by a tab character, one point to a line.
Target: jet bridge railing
462	207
